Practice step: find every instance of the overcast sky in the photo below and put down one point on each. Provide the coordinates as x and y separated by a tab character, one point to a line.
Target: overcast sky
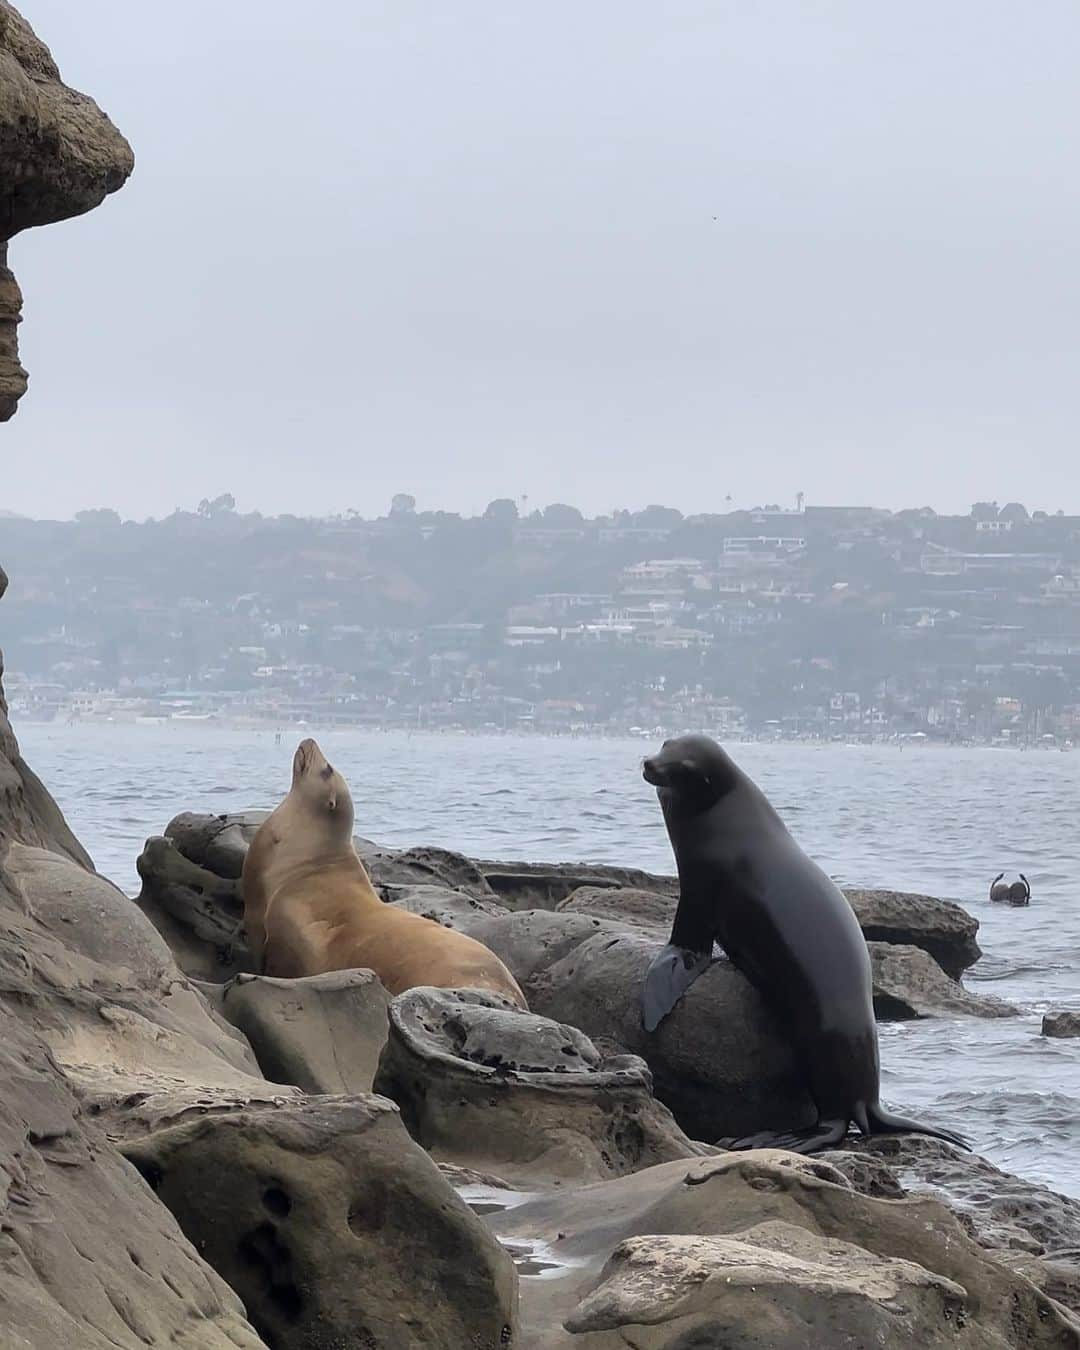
608	252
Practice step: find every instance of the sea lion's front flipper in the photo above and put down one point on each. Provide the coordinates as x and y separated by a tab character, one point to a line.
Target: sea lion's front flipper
670	975
824	1134
884	1122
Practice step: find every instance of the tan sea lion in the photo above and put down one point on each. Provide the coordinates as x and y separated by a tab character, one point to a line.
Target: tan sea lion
309	906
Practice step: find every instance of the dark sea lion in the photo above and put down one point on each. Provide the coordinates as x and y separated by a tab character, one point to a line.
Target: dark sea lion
745	883
1020	891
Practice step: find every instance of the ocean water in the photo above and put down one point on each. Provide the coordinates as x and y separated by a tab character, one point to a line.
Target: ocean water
942	822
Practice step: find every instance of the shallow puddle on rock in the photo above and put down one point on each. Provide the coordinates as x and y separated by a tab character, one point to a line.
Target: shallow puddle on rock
483	1199
536	1259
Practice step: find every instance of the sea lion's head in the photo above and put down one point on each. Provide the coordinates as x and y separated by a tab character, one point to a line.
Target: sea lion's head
322	791
692	770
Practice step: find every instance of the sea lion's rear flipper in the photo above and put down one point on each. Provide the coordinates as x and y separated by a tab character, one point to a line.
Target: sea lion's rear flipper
670	975
884	1122
824	1134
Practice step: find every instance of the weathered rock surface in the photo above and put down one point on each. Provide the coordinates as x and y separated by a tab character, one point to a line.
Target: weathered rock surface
939	927
774	1280
522	885
88	1258
483	1084
59	156
1061	1024
757	1199
82	967
909	983
218	843
334	1227
324	1033
199	913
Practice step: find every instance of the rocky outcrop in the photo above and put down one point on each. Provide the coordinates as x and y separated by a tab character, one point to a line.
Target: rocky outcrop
324	1033
88	1258
942	929
547	885
909	983
795	1246
59	156
1061	1024
334	1227
483	1084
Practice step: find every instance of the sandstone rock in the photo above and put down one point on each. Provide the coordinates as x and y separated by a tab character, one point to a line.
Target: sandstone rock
88	1258
334	1227
624	904
82	967
719	1061
574	1233
775	1278
199	913
59	156
27	812
453	909
324	1033
424	866
483	1084
218	843
939	927
546	885
1006	1213
909	983
1061	1024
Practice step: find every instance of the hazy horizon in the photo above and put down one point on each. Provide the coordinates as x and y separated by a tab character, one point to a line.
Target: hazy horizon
609	255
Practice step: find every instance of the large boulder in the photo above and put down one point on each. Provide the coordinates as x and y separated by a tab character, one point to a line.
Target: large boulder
324	1033
334	1227
719	1060
217	843
909	983
773	1280
483	1084
59	156
939	927
757	1200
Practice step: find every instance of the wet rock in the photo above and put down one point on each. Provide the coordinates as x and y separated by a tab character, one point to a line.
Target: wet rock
909	983
199	913
59	156
1005	1211
324	1033
809	1290
334	1227
68	1278
483	1084
939	927
733	1196
1061	1024
546	885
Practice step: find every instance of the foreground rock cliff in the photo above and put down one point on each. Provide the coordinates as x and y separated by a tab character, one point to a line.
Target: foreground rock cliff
59	156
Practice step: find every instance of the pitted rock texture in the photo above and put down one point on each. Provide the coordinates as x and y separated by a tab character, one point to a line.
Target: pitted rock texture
334	1228
59	156
484	1084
